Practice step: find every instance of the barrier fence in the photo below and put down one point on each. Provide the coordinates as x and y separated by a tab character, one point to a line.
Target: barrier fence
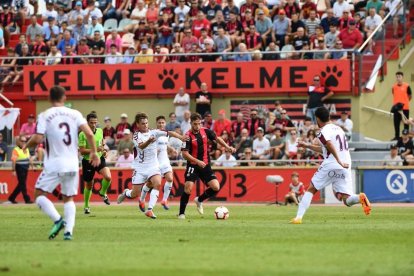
248	184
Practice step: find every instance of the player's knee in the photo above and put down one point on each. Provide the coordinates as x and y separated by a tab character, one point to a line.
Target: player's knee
215	187
187	190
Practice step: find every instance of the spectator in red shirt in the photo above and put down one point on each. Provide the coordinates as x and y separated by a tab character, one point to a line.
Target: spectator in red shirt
253	39
165	29
296	190
249	5
109	133
222	123
121	127
200	23
208	121
283	123
307	8
351	37
254	123
188	40
344	20
238	125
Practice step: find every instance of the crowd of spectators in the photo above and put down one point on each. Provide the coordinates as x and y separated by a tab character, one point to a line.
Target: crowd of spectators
61	29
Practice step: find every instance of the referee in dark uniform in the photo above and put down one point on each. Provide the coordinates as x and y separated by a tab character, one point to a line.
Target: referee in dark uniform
195	151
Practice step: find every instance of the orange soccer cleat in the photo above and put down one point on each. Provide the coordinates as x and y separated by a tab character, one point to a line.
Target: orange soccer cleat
366	205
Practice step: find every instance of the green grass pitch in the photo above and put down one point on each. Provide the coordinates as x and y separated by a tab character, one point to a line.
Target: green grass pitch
255	240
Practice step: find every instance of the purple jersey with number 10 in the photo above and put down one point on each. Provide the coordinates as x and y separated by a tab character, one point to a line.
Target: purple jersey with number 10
336	135
60	126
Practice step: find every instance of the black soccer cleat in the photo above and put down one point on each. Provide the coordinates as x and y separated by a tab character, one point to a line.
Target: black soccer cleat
105	199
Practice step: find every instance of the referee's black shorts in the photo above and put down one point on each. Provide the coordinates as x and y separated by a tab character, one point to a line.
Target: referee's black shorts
88	171
194	172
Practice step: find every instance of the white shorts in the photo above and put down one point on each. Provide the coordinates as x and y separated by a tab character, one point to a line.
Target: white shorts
142	176
165	169
68	181
332	173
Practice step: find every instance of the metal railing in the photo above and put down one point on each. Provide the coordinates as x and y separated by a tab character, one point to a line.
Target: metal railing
370	66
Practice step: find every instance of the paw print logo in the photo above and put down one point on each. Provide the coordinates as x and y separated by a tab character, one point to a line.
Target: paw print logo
168	78
331	76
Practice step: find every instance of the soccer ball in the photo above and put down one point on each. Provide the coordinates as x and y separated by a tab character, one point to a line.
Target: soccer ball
222	213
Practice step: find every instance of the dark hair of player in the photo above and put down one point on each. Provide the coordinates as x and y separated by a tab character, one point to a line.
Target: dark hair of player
172	113
399	73
160	118
56	93
322	114
140	116
91	115
195	117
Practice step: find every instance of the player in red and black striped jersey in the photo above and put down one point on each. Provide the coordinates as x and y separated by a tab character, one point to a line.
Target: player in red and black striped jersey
195	151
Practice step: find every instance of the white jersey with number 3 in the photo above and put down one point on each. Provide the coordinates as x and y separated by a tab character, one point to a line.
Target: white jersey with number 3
60	126
336	135
146	158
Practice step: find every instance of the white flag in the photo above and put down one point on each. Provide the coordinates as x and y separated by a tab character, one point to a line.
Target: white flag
8	117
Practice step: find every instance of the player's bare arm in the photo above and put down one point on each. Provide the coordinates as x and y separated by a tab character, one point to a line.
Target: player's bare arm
224	144
332	150
93	156
34	141
187	156
310	146
145	144
174	134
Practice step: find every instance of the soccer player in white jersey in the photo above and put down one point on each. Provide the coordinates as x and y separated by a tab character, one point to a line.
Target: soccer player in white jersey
145	164
59	127
165	167
335	168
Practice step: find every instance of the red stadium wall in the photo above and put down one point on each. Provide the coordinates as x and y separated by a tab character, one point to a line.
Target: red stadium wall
238	185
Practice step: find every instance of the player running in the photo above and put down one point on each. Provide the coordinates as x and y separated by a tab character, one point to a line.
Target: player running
88	171
195	151
59	126
165	167
335	168
145	164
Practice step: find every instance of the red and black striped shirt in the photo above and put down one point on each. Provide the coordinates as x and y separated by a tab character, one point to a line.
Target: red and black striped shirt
198	146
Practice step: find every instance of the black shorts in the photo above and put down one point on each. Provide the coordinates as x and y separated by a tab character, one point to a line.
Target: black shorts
194	172
88	171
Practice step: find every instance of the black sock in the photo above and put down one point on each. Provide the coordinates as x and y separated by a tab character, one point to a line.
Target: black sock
183	202
207	194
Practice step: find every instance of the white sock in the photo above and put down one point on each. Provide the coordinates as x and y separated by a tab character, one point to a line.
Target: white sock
167	190
352	200
304	204
48	208
153	199
144	192
128	193
70	213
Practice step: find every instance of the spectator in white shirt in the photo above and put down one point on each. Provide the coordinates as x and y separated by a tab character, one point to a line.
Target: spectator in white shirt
339	7
125	160
371	22
181	103
186	123
393	159
346	124
114	56
54	56
261	146
226	160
